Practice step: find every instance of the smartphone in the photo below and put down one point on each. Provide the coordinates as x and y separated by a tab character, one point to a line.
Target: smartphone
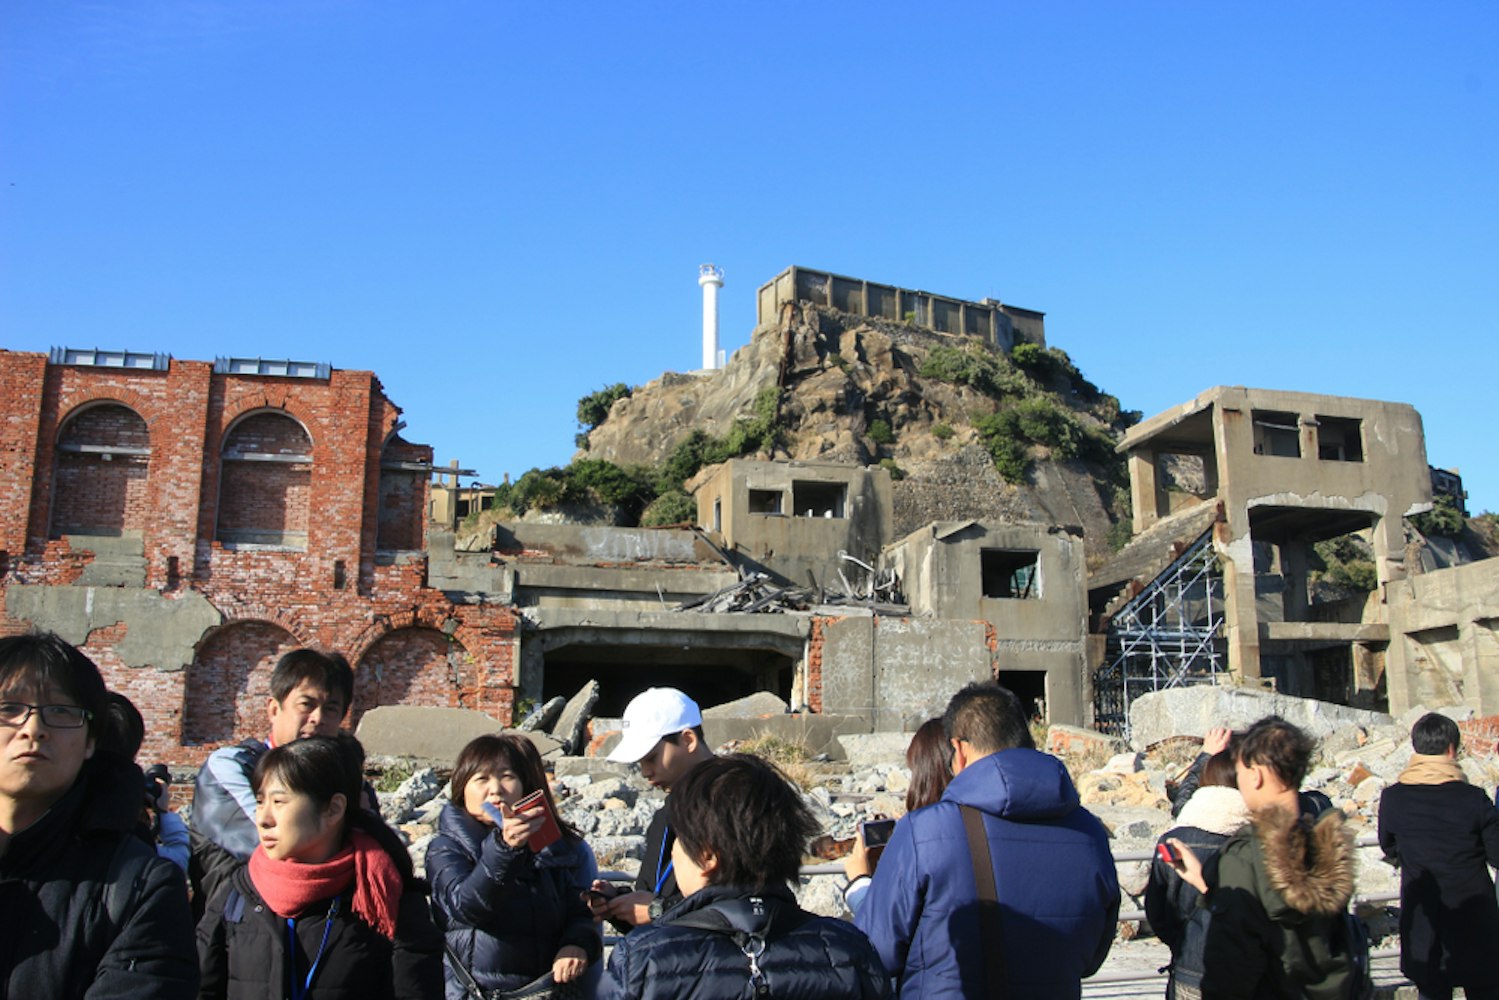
1168	853
594	898
876	832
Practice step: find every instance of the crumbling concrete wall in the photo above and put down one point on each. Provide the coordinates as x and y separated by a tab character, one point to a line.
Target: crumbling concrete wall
1444	639
896	672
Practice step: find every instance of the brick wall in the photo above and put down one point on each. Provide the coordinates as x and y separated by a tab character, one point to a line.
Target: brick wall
333	593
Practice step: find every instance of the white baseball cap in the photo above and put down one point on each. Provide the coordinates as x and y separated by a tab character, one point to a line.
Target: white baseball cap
650	715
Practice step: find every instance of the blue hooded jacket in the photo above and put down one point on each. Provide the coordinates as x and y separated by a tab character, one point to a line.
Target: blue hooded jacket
1058	890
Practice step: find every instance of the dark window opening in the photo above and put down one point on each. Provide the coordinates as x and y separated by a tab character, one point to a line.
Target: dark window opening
1339	439
764	501
1030	687
1277	433
1011	574
818	499
174	573
340	578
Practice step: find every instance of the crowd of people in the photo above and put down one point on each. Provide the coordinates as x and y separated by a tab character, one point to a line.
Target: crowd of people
996	882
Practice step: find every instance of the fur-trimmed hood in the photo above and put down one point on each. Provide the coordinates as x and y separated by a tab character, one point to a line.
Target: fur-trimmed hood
1308	862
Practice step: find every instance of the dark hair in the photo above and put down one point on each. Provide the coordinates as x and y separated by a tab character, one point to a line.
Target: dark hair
675	739
989	717
121	730
1434	734
43	660
1280	746
744	810
506	752
930	759
321	767
1218	770
329	671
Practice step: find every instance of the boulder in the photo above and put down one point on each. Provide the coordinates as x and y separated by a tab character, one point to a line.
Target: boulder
399	806
1192	711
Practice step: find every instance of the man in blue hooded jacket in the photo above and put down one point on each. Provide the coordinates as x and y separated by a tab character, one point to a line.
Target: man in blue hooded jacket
1054	877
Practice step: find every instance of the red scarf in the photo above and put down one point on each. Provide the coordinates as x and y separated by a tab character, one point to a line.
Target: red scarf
290	887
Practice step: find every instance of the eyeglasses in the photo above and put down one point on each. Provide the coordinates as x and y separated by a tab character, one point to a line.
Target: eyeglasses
15	713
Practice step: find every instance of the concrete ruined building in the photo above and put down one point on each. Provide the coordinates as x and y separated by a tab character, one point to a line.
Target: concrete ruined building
186	522
1231	493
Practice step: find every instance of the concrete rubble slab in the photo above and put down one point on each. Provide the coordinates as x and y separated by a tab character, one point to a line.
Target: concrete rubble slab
1192	711
572	722
432	734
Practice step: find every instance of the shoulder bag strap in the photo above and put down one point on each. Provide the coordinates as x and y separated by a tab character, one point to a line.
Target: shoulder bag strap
470	987
988	898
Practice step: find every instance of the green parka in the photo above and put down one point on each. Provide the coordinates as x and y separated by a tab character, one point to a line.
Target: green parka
1281	888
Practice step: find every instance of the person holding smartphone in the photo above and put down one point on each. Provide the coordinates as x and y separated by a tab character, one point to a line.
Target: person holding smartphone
507	875
929	758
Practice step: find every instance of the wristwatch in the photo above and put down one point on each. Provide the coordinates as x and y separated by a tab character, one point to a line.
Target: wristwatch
657	907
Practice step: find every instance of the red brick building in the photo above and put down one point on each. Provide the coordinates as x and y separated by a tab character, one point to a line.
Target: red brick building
187	522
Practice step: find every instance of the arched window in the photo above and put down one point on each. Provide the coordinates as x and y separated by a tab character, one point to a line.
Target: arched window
229	681
265	479
99	488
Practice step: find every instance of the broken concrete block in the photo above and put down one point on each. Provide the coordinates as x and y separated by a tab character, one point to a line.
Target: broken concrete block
1124	763
1070	741
431	735
1192	711
399	806
754	706
542	717
572	721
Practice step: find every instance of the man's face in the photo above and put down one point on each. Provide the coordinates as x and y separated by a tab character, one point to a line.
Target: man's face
39	763
308	710
668	762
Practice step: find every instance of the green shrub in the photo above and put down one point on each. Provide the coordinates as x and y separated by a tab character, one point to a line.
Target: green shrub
593	409
880	432
973	366
1443	519
537	490
1006	443
608	483
674	507
942	432
1120	532
896	472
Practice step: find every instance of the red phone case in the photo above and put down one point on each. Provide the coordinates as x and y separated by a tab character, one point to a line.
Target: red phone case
1167	853
549	831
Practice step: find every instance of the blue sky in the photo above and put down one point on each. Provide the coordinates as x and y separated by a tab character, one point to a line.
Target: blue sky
499	208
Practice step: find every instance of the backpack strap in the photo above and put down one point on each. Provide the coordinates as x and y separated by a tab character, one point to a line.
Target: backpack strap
749	922
988	900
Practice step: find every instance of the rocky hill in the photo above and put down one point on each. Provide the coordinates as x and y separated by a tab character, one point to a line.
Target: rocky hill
967	432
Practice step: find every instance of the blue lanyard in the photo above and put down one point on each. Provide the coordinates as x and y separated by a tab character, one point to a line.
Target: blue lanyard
663	874
297	993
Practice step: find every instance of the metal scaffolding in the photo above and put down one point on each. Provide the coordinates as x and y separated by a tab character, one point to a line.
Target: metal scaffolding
1169	635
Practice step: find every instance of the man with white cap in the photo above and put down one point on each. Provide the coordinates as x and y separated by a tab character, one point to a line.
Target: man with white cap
663	736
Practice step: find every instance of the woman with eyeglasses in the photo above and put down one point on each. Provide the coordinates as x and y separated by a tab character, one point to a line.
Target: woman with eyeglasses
86	907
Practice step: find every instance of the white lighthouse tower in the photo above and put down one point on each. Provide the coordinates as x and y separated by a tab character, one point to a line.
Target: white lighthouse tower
710	277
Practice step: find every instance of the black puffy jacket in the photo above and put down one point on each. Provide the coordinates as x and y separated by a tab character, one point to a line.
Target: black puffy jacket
242	949
818	958
506	912
64	931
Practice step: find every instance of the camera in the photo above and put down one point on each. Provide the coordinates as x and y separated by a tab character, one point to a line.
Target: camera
158	779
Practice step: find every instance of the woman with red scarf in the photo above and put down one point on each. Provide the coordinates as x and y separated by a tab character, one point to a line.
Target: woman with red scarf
327	906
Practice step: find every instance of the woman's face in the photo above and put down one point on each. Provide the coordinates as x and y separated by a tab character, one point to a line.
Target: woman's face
38	762
493	785
293	827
